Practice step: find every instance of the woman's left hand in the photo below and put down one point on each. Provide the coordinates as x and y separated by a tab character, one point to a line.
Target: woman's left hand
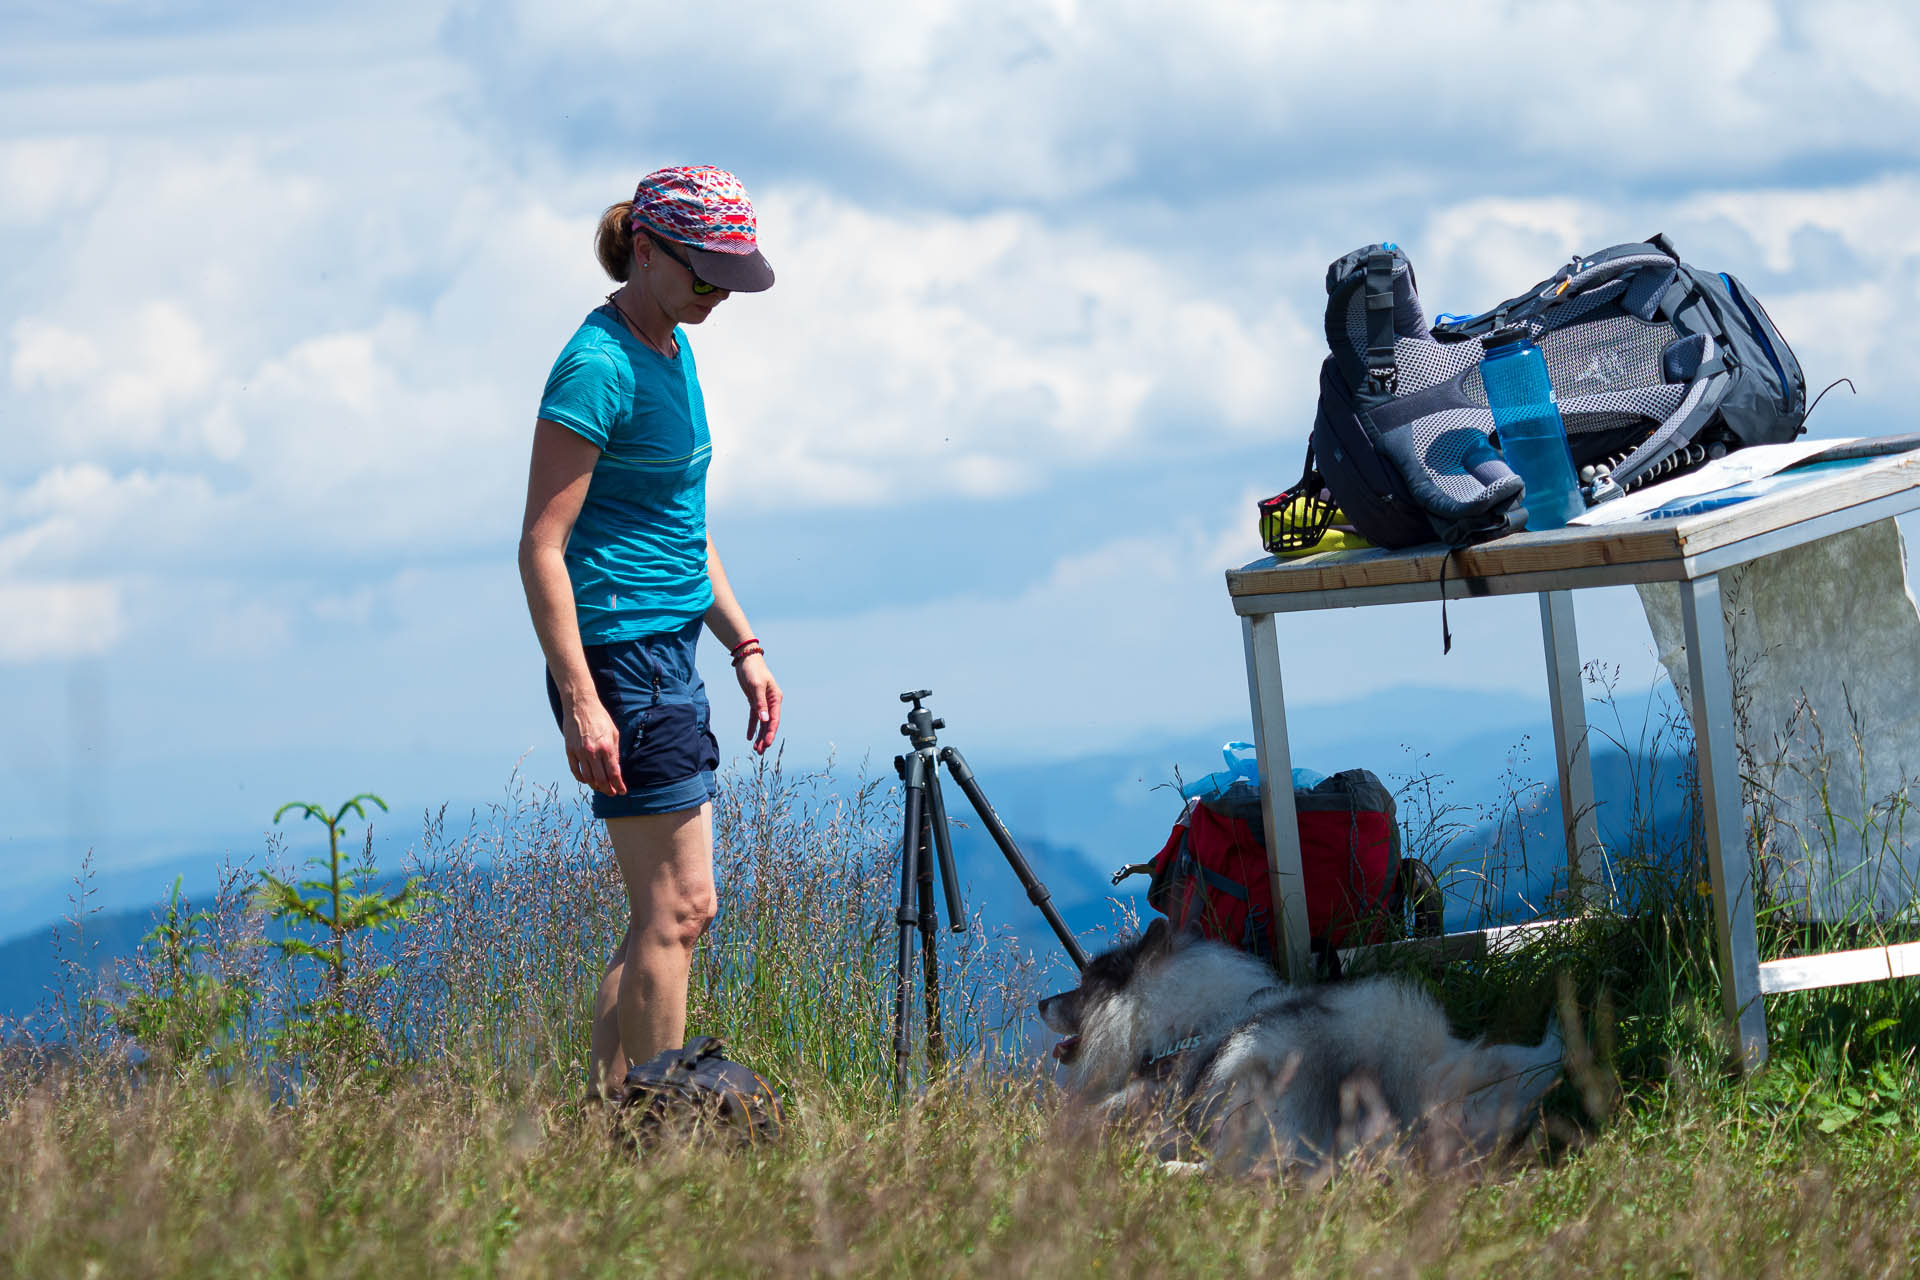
763	700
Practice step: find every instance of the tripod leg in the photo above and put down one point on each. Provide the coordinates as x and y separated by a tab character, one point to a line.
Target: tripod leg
1036	892
929	941
943	844
913	771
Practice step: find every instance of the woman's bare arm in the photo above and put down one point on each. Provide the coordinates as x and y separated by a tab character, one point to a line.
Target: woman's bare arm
557	483
728	622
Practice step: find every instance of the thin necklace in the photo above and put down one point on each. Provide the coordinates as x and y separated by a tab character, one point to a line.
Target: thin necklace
669	352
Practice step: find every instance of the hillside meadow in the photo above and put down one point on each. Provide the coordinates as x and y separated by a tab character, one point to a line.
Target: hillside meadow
414	1106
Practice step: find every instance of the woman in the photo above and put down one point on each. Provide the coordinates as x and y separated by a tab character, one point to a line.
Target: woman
620	576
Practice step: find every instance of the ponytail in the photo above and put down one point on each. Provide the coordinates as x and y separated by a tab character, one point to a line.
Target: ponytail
613	242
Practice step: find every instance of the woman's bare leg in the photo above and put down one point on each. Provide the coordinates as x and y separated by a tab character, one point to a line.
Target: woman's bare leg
667	863
609	1060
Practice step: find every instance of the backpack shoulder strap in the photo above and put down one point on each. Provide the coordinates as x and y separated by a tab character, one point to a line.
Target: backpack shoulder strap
693	1053
1383	371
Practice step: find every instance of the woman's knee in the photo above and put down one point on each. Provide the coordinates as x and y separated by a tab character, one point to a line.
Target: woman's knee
696	913
667	862
679	921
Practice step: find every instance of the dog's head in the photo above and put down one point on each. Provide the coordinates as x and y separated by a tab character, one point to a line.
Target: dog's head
1106	977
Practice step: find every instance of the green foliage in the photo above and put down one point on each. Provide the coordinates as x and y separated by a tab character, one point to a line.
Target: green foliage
484	1175
187	1018
329	1031
332	904
474	1156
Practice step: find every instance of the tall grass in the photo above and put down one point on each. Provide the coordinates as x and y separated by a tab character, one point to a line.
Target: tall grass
470	1153
1634	968
522	906
454	1177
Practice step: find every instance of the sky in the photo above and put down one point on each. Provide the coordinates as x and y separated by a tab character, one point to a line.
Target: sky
282	286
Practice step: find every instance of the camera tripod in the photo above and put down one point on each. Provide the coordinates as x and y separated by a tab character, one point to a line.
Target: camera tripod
925	838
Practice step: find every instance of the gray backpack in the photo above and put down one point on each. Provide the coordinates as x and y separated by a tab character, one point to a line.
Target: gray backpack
1656	365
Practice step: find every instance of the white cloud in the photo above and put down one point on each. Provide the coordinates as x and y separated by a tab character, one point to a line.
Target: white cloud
1201	103
1504	244
167	363
347	320
118	385
46	355
41	620
975	355
282	300
84	518
42	177
1875	217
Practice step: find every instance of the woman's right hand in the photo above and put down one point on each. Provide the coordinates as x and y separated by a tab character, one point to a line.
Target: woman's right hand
593	747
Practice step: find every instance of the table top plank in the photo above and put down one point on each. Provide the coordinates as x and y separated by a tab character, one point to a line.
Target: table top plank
1629	542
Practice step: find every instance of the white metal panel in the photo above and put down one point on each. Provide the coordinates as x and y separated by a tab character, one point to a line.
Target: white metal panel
1840	968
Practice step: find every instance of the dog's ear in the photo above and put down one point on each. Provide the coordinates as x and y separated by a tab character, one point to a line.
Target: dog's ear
1157	939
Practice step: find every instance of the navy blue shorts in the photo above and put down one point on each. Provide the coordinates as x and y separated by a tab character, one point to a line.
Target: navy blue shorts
658	702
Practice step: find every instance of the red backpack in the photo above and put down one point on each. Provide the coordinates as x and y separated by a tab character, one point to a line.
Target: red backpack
1211	875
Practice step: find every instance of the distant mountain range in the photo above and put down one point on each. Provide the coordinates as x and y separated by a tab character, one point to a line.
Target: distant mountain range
1077	819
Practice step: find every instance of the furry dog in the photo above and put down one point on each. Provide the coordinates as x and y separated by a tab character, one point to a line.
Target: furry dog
1221	1061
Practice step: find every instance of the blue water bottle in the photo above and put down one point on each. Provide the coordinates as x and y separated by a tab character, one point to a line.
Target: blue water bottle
1532	437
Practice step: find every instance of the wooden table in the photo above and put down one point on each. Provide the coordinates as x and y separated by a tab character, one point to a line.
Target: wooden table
1690	551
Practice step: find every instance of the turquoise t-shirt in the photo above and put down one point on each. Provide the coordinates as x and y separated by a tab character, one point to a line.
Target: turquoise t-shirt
638	553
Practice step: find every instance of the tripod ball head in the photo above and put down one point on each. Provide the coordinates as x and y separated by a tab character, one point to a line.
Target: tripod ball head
920	721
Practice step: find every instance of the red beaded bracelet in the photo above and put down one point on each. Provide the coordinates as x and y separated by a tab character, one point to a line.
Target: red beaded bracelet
744	654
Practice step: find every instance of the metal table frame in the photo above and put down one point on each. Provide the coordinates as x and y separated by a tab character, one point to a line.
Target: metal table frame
1692	552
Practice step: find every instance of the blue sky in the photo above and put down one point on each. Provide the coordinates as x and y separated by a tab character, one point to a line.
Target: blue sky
281	290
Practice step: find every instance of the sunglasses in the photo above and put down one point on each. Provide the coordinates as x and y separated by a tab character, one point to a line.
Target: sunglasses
700	286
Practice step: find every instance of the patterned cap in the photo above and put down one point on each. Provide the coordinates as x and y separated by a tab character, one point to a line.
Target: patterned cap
706	211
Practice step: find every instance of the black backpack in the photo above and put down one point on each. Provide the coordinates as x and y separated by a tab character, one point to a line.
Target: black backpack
1657	365
695	1087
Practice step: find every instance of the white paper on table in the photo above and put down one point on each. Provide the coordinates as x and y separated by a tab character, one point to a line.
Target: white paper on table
1823	641
1741	465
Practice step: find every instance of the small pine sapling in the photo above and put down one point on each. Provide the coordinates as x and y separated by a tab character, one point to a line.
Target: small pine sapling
328	1029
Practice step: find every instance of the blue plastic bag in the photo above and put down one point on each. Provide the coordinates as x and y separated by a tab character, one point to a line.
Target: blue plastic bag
1242	763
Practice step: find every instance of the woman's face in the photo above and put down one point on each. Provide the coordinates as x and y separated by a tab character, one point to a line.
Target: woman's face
671	283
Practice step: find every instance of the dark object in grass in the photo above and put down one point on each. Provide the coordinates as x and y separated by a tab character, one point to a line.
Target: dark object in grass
698	1089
